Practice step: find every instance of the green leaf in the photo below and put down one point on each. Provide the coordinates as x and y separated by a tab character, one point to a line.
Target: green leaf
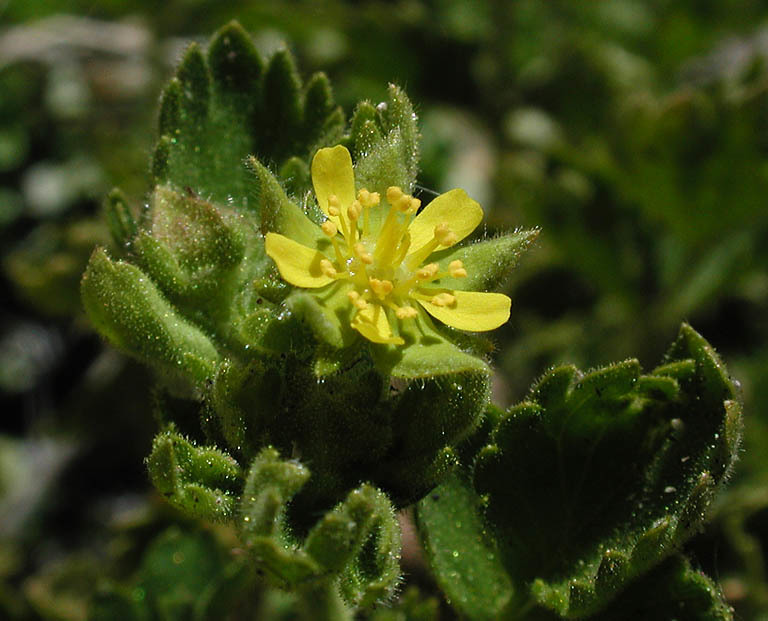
673	587
127	309
122	224
229	104
197	480
596	478
358	541
462	554
283	105
385	142
177	571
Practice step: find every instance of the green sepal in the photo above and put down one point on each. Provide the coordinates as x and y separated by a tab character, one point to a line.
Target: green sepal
199	481
426	353
488	262
278	213
573	527
128	309
359	540
120	219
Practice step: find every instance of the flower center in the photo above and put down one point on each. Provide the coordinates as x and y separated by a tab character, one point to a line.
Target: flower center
381	269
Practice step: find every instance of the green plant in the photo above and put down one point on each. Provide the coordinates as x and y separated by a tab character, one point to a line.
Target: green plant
311	384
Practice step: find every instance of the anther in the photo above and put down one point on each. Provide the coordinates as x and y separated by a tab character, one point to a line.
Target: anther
329	228
358	302
393	194
403	203
406	312
444	235
334	205
353	211
427	272
443	299
327	268
382	288
456	269
363	254
414	206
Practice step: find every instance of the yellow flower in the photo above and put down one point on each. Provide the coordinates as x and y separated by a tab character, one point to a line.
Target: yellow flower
378	254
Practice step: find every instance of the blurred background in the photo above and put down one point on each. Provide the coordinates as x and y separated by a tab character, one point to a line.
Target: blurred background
634	133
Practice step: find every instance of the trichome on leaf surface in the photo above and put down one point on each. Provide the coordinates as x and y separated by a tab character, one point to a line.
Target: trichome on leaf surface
314	331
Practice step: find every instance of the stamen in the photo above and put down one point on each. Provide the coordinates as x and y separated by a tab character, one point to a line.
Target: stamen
406	312
443	299
444	235
357	301
403	203
393	194
428	271
329	228
382	288
327	268
363	254
456	269
334	205
402	250
353	211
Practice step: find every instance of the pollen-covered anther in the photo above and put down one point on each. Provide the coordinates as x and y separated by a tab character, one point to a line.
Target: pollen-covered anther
403	203
368	199
427	272
327	268
414	205
393	194
363	254
406	312
329	228
357	301
354	210
444	235
456	269
382	288
443	299
334	205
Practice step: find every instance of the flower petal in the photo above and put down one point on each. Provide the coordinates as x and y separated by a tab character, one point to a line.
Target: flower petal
332	174
373	324
473	311
298	264
461	213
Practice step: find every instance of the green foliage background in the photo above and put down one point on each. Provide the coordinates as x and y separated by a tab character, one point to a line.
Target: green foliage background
632	133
